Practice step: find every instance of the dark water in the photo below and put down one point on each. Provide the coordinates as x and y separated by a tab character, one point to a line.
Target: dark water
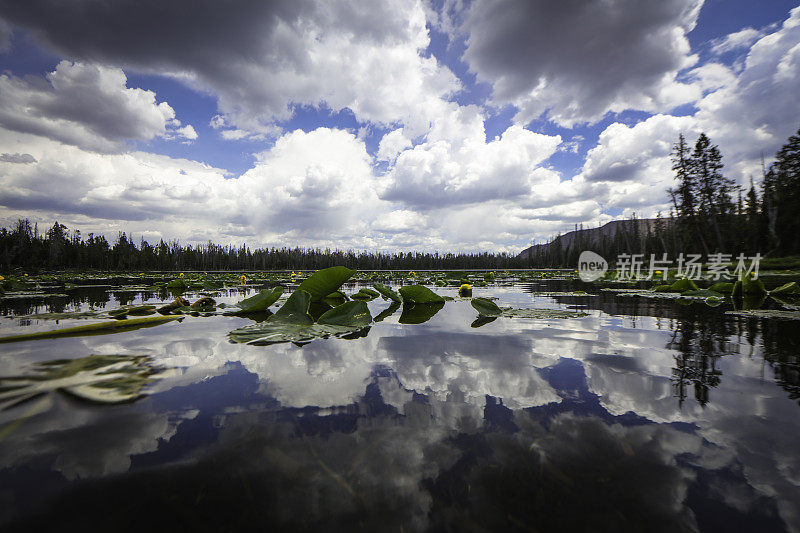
645	415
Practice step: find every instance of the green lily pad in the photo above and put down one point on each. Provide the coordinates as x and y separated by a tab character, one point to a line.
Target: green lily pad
419	294
177	283
175	304
294	310
62	316
722	288
387	293
100	328
323	282
138	310
365	295
780	314
259	302
790	289
350	314
486	307
752	286
292	326
541	313
96	378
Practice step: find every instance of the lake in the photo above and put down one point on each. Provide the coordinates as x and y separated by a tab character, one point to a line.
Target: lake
648	414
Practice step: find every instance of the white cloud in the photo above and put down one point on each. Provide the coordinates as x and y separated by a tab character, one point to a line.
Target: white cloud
86	105
735	41
392	144
575	63
455	165
262	58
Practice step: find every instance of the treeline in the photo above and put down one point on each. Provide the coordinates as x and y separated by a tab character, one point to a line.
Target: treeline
24	247
709	213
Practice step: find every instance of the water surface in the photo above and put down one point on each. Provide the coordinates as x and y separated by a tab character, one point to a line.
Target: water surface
645	414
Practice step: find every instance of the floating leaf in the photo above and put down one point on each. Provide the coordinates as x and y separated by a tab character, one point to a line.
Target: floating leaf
99	328
342	321
62	316
419	313
387	293
364	295
722	288
790	289
419	294
137	310
177	283
261	301
178	302
780	314
325	281
752	286
683	285
205	303
486	307
294	310
350	314
541	313
96	378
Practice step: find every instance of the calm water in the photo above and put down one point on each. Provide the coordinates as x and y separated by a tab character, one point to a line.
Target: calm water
645	414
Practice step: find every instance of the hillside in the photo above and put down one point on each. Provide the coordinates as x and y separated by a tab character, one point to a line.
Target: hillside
591	236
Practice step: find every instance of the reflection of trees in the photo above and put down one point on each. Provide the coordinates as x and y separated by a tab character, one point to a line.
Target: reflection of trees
781	351
699	347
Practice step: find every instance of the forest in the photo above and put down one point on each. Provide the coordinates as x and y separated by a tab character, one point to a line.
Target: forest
709	213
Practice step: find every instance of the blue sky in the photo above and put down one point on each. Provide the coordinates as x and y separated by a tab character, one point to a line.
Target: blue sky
445	125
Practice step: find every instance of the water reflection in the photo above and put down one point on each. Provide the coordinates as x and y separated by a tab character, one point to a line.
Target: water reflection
645	414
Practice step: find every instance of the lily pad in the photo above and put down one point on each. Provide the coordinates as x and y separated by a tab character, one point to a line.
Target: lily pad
487	308
138	310
365	295
96	378
325	281
388	293
419	294
752	286
780	314
175	304
259	302
99	328
788	290
294	310
293	326
722	288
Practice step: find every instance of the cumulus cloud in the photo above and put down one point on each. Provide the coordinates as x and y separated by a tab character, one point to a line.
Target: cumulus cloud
735	41
577	61
86	105
392	144
260	58
757	112
455	165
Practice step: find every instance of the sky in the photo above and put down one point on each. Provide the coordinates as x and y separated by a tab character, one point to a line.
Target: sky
389	125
